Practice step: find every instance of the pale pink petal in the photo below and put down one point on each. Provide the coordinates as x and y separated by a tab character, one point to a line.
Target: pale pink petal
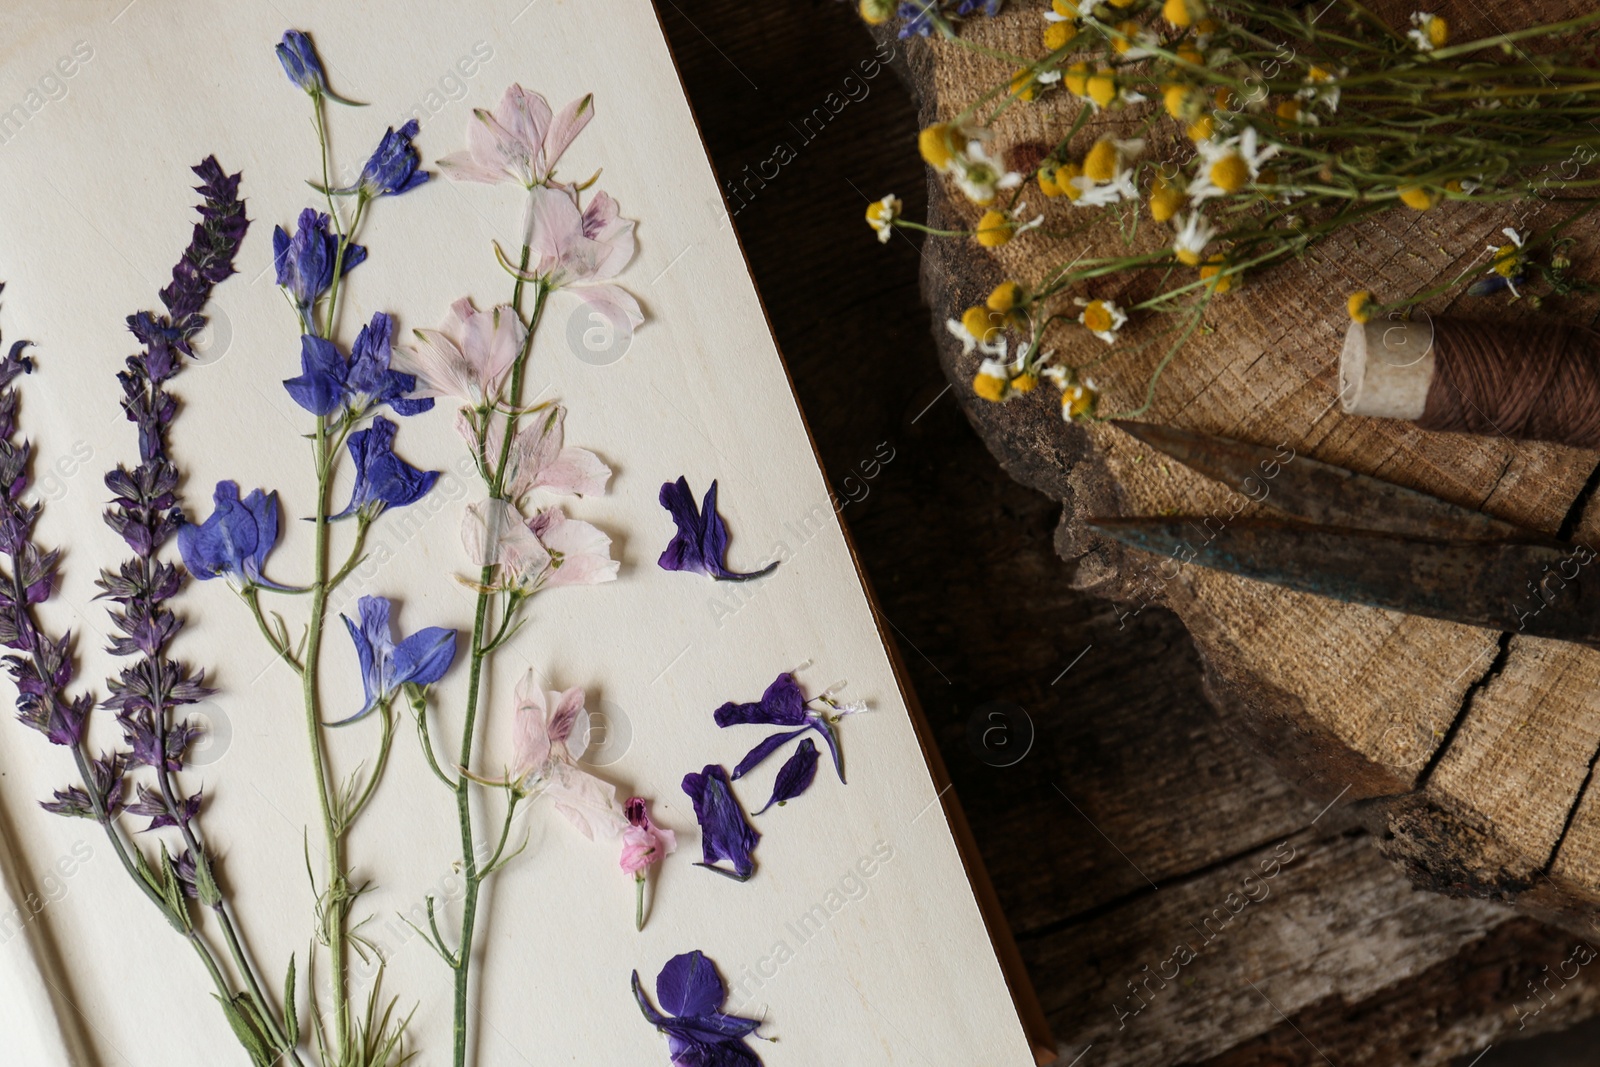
530	741
441	368
565	127
542	463
469	433
462	167
574	472
555	232
580	553
616	304
494	534
588	803
611	237
494	147
490	341
566	707
525	117
641	847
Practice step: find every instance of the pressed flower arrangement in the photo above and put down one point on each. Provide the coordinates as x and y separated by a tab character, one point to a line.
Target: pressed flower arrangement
519	541
1214	139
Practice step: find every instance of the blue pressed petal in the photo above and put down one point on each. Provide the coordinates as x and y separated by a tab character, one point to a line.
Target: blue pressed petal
757	755
782	704
370	355
280	253
690	985
364	662
406	405
262	509
653	1017
423	657
354	256
823	727
320	388
683	551
725	834
795	776
713	531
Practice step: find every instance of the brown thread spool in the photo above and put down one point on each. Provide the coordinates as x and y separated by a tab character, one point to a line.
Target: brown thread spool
1538	381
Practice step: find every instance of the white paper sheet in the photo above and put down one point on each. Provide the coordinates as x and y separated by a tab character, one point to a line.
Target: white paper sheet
858	941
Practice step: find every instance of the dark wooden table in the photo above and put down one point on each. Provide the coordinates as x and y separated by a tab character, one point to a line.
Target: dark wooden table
1132	814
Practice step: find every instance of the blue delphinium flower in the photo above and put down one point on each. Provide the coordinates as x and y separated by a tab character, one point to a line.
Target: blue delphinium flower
328	381
795	776
392	168
383	479
236	538
305	260
386	665
371	379
783	704
701	541
698	1033
724	832
300	62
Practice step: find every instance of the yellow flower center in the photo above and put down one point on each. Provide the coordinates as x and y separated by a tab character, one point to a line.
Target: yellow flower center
1077	401
1101	163
1289	111
876	12
1023	86
989	387
982	323
1187	256
1190	54
1418	198
1006	296
937	144
1201	129
1047	179
1177	12
1023	383
1230	173
994	229
1176	99
1438	31
1126	32
1064	175
878	211
1318	74
1097	318
1067	9
1361	306
1076	79
1166	197
1102	89
1212	274
1058	35
1507	261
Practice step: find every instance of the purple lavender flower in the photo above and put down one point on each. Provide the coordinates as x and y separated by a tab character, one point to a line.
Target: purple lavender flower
783	704
392	169
305	260
236	539
383	479
300	62
725	834
701	540
795	776
698	1033
421	659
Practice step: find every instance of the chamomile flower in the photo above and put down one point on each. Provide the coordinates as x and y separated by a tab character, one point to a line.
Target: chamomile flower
1131	40
1194	233
996	228
979	176
993	380
1505	269
1227	165
1362	306
1078	396
1166	197
1322	87
1428	31
1107	178
881	215
1103	318
979	329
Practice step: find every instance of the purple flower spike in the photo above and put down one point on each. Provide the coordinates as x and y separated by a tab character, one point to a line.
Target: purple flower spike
420	659
783	704
698	1033
795	776
702	538
724	832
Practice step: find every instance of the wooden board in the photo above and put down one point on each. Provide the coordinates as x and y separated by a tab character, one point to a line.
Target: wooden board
701	392
1481	745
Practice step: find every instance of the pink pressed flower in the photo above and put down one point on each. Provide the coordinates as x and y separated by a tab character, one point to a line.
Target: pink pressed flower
468	357
538	458
520	142
582	250
549	734
643	842
548	550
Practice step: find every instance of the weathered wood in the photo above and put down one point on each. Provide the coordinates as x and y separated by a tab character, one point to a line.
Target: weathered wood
1486	742
963	562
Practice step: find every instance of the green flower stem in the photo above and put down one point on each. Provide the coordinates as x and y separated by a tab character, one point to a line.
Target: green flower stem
480	630
419	708
278	642
385	743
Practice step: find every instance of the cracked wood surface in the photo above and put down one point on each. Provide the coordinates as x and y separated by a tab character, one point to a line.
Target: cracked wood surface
1479	748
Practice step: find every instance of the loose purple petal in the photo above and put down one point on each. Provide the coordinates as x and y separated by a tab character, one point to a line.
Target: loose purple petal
795	776
756	755
701	540
725	834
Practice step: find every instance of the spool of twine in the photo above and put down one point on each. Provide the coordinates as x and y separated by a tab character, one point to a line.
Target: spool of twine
1538	381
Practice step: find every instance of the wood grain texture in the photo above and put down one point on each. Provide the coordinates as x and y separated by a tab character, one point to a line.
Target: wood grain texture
1484	743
